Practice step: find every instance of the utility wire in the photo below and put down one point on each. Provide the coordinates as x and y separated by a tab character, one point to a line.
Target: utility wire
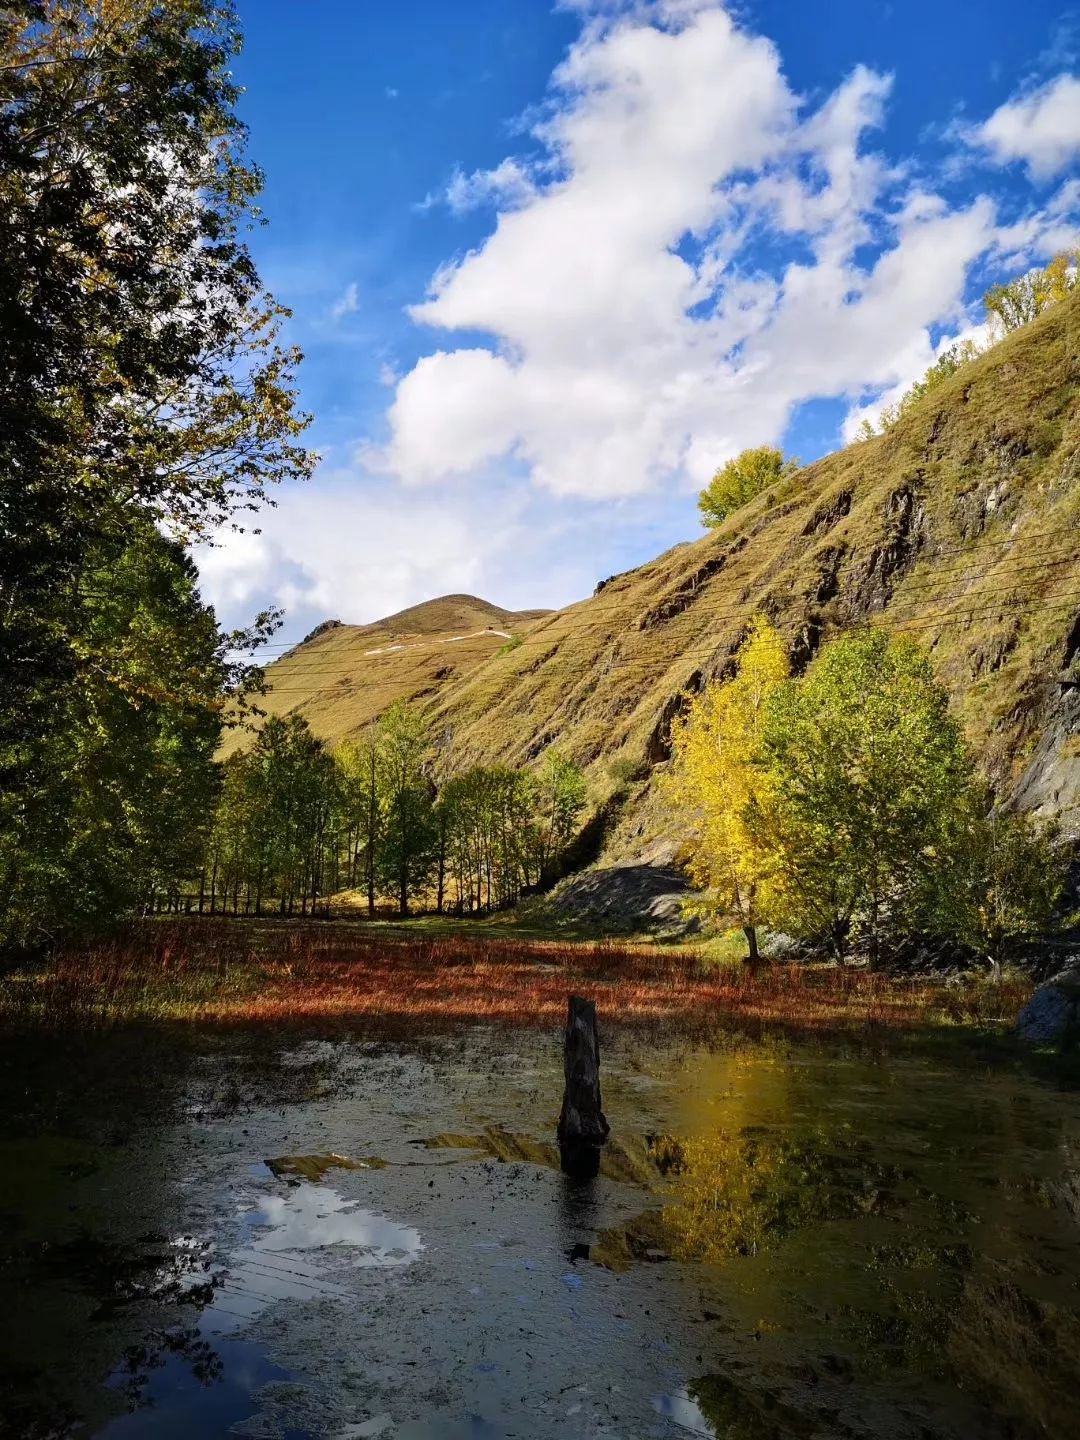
920	586
715	616
608	608
589	672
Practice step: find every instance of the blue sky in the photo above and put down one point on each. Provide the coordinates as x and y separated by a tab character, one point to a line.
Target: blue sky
551	265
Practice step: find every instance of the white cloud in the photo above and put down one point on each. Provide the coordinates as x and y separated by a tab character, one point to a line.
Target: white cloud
347	303
350	548
336	548
637	337
689	251
509	184
1041	129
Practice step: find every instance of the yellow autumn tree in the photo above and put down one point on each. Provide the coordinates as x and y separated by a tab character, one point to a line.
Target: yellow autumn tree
718	781
1019	301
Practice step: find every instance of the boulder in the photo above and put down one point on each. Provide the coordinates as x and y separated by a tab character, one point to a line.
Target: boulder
640	895
1052	1015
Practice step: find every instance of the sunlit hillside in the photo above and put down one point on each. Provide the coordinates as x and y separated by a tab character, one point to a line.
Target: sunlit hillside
959	526
342	676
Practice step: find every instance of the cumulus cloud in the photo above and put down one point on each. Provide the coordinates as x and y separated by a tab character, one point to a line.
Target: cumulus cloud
340	548
684	264
348	547
914	366
1041	129
685	252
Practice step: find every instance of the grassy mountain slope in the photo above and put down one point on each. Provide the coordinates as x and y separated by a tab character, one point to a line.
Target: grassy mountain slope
961	526
343	676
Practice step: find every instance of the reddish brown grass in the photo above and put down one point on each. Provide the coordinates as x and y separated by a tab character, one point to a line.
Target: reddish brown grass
233	972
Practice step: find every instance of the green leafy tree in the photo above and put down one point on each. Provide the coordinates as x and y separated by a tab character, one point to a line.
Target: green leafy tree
143	387
295	783
867	766
504	830
999	878
409	839
113	811
237	853
719	782
737	482
364	818
559	801
1008	306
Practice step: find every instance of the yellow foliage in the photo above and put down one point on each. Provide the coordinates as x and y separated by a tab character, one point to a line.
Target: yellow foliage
718	781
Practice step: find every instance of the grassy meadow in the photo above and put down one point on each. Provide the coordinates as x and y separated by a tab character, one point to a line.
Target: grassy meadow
432	976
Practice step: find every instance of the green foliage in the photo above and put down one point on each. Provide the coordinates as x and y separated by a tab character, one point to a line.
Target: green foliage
278	808
999	879
1008	307
624	771
490	852
560	797
115	794
406	855
296	822
144	388
511	645
362	811
843	805
737	482
867	767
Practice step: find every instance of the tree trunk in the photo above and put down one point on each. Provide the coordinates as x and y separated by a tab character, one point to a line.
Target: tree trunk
839	935
372	817
753	957
582	1126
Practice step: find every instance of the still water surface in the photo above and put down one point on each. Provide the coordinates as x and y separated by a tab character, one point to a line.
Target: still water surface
347	1240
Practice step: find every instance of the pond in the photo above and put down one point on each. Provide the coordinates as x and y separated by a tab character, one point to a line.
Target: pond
348	1239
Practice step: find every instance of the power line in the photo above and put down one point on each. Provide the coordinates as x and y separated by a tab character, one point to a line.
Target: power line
607	608
589	672
714	617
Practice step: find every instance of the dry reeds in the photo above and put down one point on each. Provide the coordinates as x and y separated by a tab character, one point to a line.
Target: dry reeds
258	972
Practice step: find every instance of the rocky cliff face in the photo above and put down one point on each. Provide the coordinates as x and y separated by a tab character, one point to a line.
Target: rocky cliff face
1050	782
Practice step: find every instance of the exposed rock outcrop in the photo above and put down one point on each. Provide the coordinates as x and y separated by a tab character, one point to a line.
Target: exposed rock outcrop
321	629
1050	784
1052	1015
641	895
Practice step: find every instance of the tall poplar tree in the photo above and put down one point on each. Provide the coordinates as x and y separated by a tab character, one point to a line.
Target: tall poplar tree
409	838
720	783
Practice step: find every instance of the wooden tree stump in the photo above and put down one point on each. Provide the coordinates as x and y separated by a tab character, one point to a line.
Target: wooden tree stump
582	1126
